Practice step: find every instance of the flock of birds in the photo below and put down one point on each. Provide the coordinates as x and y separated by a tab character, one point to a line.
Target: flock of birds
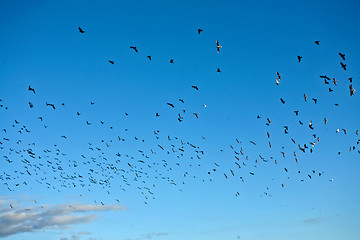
163	158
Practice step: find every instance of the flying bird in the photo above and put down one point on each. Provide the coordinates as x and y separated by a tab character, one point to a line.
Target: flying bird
352	90
195	87
343	65
81	31
51	105
199	30
149	57
112	62
135	49
171	105
171	60
342	56
317	42
218	46
282	101
299	58
31	89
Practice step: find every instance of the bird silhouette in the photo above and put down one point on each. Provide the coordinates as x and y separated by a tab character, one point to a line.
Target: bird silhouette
135	49
342	56
31	89
218	46
81	31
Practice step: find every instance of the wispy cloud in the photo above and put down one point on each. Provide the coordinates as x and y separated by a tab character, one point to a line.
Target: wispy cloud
19	220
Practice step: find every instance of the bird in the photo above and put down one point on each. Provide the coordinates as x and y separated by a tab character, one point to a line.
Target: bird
149	57
181	100
330	90
171	105
296	113
282	101
135	49
196	115
299	58
335	81
51	105
195	87
31	89
343	65
218	70
199	30
315	100
218	46
305	97
342	56
317	42
352	90
325	120
112	62
81	31
171	60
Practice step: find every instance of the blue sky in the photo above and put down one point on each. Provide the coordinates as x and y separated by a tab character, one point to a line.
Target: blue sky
76	191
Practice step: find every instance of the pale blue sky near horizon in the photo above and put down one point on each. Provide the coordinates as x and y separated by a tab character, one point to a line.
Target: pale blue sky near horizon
41	46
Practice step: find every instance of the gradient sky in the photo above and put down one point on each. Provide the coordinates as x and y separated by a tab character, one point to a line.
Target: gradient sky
169	196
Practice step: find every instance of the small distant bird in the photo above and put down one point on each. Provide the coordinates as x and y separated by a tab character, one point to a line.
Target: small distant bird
80	30
171	105
317	42
311	126
196	115
195	87
112	62
343	65
342	56
32	89
315	100
282	101
330	90
135	49
218	46
199	30
181	100
305	97
31	105
352	90
325	77
325	120
277	81
299	58
335	81
296	113
218	70
149	57
51	105
350	79
171	61
157	115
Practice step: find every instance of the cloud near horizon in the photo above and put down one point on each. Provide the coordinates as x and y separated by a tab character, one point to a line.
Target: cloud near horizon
15	220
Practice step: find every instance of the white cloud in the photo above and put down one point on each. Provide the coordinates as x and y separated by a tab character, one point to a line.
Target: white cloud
15	220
